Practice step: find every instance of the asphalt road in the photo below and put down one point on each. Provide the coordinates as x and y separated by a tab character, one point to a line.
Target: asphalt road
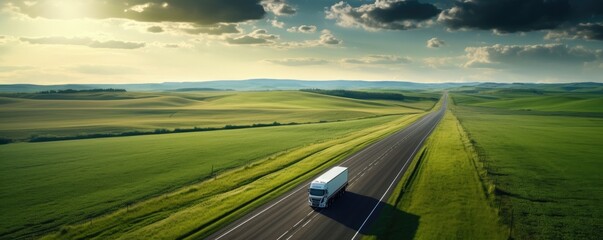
373	173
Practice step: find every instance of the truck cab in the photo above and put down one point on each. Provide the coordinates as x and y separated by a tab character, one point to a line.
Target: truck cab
318	195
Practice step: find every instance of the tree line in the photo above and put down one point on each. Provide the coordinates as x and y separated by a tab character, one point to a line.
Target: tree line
49	138
359	94
82	91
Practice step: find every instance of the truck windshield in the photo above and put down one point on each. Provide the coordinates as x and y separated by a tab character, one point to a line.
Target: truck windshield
317	192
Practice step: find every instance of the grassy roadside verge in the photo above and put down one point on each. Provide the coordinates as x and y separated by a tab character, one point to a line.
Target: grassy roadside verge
441	196
200	209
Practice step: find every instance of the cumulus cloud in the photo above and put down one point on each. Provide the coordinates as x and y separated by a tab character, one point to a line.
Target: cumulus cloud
201	12
586	31
278	7
378	59
298	61
303	29
214	29
507	16
530	55
155	29
327	38
383	14
276	23
435	43
258	36
84	42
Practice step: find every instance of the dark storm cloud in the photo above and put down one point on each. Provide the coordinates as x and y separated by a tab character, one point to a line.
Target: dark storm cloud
88	42
507	15
383	14
404	10
586	31
519	15
194	11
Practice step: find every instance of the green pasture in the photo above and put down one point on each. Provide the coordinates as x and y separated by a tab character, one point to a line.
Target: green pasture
547	102
546	168
198	209
46	185
25	115
441	196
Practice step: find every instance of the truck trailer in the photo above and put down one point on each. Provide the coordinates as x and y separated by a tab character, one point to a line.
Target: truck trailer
328	186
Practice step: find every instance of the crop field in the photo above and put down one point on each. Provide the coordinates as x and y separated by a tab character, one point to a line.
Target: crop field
441	196
543	159
27	115
51	184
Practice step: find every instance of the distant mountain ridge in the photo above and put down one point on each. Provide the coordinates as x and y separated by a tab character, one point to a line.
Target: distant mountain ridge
288	84
239	85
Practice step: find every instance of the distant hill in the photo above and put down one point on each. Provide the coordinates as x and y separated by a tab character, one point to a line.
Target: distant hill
286	84
240	85
536	88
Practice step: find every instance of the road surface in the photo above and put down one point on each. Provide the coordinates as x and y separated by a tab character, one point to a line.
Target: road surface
373	173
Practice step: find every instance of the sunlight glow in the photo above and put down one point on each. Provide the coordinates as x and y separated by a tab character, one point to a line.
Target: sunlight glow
68	9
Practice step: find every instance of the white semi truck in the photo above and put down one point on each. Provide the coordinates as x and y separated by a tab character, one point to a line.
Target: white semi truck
328	186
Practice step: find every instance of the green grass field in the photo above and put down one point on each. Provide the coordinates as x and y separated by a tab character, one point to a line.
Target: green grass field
545	162
547	102
441	196
197	210
51	184
26	115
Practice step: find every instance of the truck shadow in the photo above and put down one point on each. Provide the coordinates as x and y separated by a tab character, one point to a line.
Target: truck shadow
352	209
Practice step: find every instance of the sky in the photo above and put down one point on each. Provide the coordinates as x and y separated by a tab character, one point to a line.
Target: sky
146	41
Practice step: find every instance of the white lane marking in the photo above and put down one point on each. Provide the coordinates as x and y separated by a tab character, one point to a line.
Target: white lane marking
257	214
383	154
295	225
279	201
394	180
362	172
281	236
302	226
306	223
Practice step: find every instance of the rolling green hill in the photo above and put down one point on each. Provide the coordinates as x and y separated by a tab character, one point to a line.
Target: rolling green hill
46	185
27	115
50	184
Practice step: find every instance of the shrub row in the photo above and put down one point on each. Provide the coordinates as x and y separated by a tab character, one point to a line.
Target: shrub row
83	90
358	94
48	138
